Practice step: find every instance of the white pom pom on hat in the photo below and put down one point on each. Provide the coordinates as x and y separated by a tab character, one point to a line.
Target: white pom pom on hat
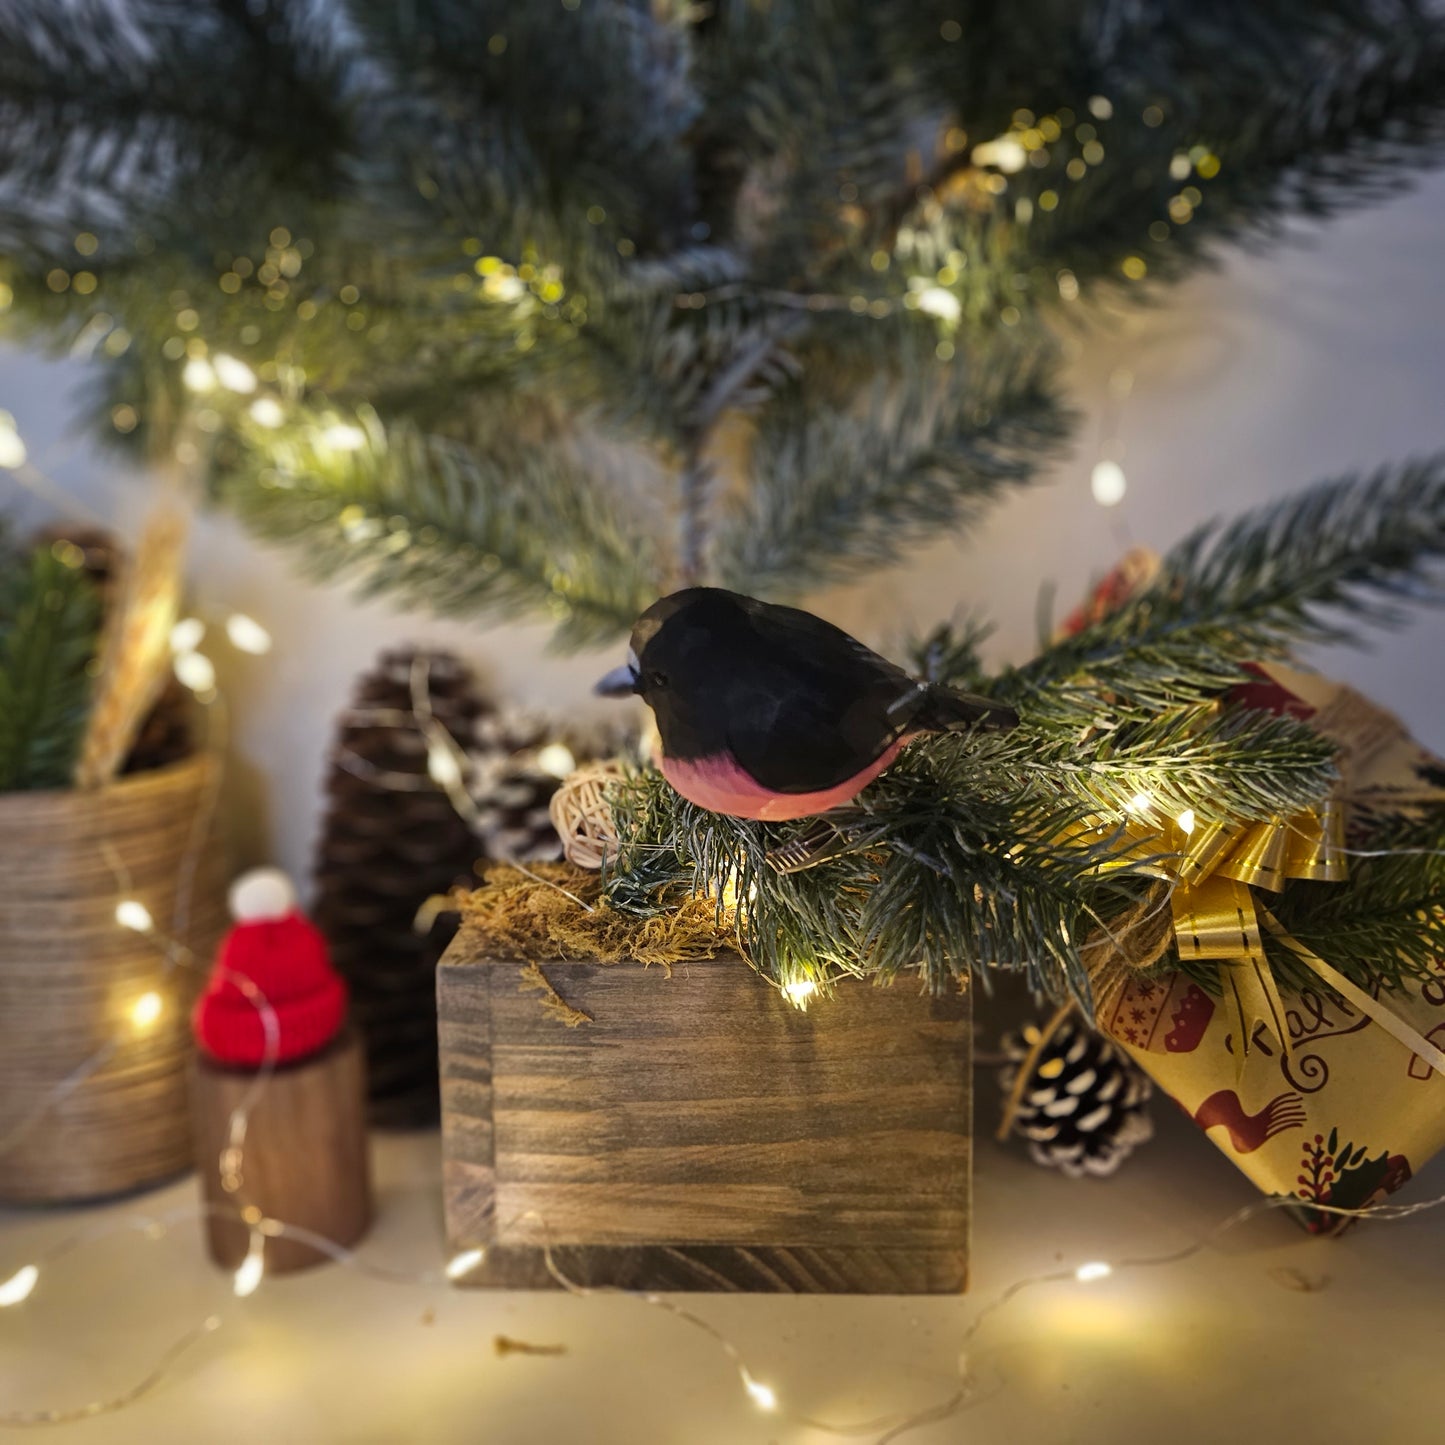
261	894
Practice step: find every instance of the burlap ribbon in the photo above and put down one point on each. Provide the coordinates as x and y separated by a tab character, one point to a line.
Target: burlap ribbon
1212	914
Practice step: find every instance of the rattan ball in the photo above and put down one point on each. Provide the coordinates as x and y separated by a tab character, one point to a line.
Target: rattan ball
582	817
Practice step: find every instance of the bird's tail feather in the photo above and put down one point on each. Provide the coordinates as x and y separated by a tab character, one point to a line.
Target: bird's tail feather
945	709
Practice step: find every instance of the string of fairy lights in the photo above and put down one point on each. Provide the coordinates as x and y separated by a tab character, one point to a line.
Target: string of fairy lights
247	1278
21	1284
145	1012
1033	141
205	372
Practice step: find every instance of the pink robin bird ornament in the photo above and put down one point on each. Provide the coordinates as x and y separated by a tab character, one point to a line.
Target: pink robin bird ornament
770	713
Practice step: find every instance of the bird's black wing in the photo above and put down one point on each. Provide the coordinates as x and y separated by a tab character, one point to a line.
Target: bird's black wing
810	706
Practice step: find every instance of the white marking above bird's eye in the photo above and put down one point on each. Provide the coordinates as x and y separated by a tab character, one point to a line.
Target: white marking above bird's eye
632	661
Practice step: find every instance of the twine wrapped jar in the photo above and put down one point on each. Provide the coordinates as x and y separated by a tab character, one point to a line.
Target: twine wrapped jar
95	1034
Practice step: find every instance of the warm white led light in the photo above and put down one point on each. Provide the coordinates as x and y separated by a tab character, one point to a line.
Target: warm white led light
344	438
195	671
1140	803
12	447
147	1009
556	759
199	375
1186	821
133	914
464	1263
186	635
247	634
1108	484
248	1277
940	302
1094	1269
800	991
762	1394
1005	154
234	375
19	1286
442	766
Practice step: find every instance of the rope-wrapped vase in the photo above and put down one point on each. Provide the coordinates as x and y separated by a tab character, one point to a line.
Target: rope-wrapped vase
93	1089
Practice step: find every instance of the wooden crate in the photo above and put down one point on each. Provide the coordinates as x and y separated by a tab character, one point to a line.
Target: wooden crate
703	1134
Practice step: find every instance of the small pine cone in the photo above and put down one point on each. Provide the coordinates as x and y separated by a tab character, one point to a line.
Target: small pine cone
1083	1106
165	735
515	764
391	840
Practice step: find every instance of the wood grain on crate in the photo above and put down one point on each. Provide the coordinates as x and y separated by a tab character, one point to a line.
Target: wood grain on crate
305	1160
701	1133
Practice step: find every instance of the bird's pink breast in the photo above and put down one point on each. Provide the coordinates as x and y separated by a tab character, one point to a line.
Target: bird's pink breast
721	786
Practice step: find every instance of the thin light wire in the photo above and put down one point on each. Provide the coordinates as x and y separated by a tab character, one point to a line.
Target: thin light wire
59	1093
231	1165
108	1405
174	950
266	1227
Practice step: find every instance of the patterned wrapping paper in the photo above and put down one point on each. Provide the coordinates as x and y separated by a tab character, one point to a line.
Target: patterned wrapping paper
1350	1113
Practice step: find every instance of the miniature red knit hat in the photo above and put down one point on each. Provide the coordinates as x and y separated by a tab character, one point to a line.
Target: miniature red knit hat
285	958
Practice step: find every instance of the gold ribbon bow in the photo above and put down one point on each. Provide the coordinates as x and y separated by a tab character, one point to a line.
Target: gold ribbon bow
1213	871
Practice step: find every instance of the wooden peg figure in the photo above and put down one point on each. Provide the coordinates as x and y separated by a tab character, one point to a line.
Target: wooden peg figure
273	1047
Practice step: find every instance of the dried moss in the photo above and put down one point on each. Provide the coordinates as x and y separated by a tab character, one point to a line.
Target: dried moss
554	910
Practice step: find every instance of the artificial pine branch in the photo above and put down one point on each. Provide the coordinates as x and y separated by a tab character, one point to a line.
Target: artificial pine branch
842	487
127	108
551	106
448	528
938	882
49	627
1387	922
1250	590
1223	764
610	209
986	851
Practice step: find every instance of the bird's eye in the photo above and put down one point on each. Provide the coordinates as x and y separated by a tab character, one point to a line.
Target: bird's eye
656	679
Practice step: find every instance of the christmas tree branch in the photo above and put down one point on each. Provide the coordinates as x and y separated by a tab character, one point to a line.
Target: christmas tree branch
447	527
123	110
1388	921
970	852
583	108
1251	589
842	488
49	628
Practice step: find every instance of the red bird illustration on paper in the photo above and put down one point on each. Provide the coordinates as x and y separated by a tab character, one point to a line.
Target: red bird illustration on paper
768	712
1247	1132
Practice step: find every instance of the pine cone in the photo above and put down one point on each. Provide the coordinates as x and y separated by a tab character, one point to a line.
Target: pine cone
165	735
1083	1107
516	763
392	839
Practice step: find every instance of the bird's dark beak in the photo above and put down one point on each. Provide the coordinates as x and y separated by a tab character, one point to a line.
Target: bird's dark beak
620	682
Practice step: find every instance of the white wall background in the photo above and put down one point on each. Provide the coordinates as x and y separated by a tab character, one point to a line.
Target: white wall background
1325	355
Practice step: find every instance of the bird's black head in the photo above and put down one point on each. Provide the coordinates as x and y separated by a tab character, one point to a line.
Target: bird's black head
681	648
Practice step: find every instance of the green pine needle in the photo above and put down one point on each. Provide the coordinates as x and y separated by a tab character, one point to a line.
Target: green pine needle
49	621
440	526
1293	572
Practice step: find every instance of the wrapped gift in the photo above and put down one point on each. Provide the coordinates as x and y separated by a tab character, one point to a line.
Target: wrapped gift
1328	1094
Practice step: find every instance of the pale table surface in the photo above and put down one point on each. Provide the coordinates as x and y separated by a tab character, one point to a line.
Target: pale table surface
1269	1335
